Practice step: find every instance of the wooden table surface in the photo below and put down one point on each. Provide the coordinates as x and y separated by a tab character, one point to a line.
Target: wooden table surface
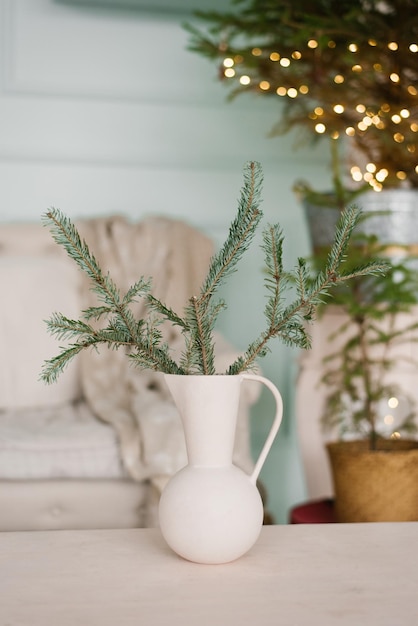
335	574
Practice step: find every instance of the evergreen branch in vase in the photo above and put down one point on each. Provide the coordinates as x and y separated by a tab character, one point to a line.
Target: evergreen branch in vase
287	322
142	338
201	314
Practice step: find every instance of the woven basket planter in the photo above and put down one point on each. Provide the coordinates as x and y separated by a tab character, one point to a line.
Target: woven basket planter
375	486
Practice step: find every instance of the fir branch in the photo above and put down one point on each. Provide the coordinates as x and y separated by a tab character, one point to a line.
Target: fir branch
287	324
122	329
65	234
166	312
241	232
96	312
344	229
273	254
142	338
200	326
52	368
200	316
141	288
157	360
64	328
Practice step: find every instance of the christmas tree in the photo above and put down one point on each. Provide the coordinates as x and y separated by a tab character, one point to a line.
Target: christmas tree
339	68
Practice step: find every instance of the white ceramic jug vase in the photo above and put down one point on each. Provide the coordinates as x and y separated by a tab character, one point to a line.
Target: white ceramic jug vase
211	511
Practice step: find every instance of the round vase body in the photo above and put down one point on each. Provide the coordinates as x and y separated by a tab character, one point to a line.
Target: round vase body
211	511
211	515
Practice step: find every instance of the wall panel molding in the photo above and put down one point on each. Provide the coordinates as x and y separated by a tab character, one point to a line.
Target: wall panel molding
123	57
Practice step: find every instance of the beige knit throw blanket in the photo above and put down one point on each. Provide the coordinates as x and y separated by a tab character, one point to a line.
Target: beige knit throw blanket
137	403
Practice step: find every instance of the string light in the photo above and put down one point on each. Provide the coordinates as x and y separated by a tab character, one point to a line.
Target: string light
393	402
353	119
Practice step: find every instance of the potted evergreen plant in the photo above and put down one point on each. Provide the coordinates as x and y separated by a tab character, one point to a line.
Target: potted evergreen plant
367	405
342	70
192	509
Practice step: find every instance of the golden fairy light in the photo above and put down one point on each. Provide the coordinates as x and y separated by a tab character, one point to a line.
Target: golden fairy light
359	121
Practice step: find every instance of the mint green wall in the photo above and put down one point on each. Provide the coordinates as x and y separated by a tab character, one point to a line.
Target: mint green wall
105	111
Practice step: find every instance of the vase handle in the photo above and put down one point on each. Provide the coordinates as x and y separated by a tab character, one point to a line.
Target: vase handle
275	426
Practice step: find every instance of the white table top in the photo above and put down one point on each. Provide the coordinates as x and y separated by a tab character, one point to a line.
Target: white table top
331	574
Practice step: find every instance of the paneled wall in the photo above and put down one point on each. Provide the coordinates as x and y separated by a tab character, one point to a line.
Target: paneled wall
104	110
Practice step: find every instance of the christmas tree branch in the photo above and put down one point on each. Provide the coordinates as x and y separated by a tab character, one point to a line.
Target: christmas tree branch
142	338
287	323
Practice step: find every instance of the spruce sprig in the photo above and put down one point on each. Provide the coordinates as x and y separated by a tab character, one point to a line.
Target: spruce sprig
201	313
286	322
143	338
